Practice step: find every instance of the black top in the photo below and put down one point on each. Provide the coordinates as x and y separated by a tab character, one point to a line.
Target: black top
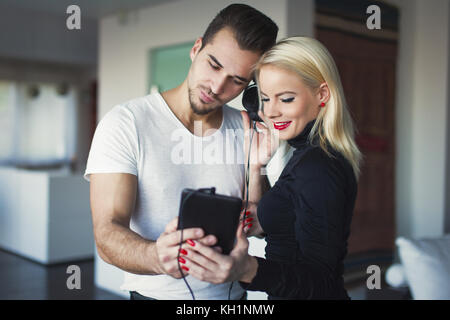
306	216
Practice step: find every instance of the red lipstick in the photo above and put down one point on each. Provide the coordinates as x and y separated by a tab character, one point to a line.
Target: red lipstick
281	125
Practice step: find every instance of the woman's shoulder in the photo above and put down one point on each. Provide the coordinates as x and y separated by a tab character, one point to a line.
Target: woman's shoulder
315	163
310	157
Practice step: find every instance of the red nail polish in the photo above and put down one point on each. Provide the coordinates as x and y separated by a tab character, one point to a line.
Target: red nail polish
181	260
248	220
190	242
250	225
185	268
182	251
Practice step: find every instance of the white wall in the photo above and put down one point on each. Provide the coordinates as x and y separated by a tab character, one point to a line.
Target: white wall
429	117
403	118
300	18
421	117
447	185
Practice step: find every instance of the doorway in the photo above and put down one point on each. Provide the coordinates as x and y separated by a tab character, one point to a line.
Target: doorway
366	60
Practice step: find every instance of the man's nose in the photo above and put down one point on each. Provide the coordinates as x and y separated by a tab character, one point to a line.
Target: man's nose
218	85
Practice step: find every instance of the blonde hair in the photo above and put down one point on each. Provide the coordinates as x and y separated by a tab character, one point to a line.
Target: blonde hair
315	65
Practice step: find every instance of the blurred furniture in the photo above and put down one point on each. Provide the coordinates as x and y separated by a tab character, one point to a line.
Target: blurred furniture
45	216
425	268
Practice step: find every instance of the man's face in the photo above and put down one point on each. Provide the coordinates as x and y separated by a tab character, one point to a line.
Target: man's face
219	72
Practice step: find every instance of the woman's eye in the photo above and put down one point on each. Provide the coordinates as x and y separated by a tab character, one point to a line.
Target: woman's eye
287	100
264	99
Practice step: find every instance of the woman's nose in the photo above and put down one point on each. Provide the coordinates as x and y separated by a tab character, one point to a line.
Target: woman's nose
270	110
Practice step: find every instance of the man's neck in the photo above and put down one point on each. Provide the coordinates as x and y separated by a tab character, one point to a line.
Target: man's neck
178	101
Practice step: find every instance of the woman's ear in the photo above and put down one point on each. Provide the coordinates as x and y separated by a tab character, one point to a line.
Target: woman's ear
196	48
323	93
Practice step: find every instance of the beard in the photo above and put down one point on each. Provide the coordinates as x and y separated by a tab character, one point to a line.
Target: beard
197	108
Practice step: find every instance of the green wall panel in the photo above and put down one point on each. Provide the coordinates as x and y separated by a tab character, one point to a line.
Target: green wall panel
169	66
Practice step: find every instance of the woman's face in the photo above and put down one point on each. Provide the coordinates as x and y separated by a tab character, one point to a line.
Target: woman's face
288	104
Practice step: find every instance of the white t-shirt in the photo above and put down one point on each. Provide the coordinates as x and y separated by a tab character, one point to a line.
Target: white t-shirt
144	138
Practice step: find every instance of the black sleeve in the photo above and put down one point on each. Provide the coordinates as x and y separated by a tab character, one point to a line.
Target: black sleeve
317	191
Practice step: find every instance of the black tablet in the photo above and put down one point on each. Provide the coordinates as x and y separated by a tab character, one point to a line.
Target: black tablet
215	213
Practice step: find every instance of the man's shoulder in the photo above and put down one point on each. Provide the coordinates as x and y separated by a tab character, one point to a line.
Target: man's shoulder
233	116
135	108
142	104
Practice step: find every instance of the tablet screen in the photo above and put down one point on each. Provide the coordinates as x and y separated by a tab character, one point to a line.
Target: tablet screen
215	213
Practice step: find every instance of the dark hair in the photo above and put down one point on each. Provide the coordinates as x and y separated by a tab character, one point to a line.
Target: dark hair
252	29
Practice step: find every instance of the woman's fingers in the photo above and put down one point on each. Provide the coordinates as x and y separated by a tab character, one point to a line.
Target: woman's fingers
262	126
262	117
245	120
204	250
173	238
202	261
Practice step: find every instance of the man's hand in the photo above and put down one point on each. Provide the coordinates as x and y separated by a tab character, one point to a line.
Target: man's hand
168	246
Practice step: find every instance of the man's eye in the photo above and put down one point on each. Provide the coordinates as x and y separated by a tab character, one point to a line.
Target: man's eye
214	66
287	100
239	83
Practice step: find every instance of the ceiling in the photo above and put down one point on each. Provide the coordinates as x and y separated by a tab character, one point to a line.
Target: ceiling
89	8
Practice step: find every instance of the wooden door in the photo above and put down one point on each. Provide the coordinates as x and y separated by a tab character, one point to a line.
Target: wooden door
367	69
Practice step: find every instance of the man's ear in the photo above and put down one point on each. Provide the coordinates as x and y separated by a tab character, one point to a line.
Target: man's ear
196	48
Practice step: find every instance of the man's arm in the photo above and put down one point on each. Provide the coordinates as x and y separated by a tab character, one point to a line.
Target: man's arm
113	197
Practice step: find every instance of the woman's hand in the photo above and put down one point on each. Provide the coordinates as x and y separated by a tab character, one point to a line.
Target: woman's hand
264	143
251	222
168	243
206	264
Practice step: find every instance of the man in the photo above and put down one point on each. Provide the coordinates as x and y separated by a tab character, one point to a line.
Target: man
137	176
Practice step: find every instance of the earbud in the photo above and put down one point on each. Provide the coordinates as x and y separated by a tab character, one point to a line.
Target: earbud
250	101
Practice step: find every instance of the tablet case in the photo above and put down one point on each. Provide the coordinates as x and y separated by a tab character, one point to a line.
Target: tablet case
215	213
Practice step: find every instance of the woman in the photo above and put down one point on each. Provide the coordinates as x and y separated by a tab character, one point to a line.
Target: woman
306	215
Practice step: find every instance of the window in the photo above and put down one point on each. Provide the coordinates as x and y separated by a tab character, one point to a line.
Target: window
38	122
6	119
